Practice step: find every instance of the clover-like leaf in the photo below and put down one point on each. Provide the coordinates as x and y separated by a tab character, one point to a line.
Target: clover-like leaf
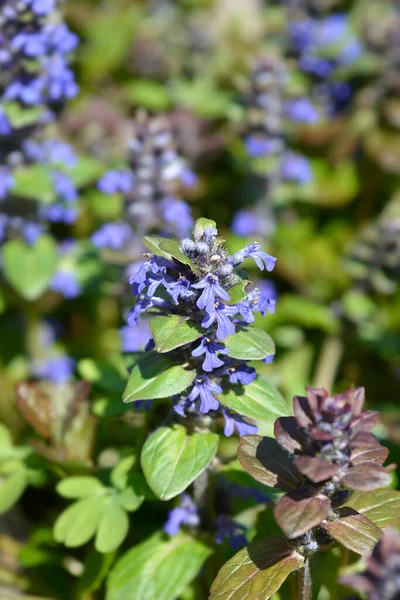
257	572
156	377
173	331
113	527
268	462
257	400
250	344
355	531
296	515
79	486
29	269
79	522
172	459
157	568
380	506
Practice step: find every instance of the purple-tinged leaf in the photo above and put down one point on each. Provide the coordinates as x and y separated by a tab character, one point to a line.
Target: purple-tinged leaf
289	434
364	439
302	411
380	506
315	468
257	571
268	462
365	421
367	476
353	530
363	455
296	514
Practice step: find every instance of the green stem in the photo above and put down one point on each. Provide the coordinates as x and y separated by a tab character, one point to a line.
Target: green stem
328	362
306	581
34	347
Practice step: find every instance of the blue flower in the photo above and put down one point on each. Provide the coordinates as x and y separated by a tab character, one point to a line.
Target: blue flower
116	181
241	373
220	313
296	168
177	213
204	388
184	514
180	289
112	235
64	186
234	531
65	283
301	110
331	29
210	348
245	223
234	421
134	338
58	369
254	251
42	7
6	182
257	145
211	289
32	232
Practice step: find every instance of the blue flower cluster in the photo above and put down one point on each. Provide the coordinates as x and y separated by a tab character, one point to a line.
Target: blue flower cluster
323	46
201	291
151	186
266	137
34	53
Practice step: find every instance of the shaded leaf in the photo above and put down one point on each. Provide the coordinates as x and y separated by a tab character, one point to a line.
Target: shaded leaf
173	248
257	400
380	506
256	572
173	331
315	468
97	566
268	462
354	531
237	292
29	269
157	568
113	527
296	514
172	459
250	344
156	377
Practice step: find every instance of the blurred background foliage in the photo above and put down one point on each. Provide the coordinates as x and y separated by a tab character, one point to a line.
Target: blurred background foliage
337	239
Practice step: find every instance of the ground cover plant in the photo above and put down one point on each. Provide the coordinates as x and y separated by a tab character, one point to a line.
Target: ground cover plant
199	299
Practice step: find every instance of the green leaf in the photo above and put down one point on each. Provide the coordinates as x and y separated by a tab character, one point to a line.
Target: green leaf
11	489
157	568
97	566
129	499
152	243
174	331
354	531
258	400
113	527
172	459
149	94
173	248
157	377
29	269
85	171
34	182
381	506
250	344
120	473
79	486
102	374
257	571
238	292
201	224
22	116
78	523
